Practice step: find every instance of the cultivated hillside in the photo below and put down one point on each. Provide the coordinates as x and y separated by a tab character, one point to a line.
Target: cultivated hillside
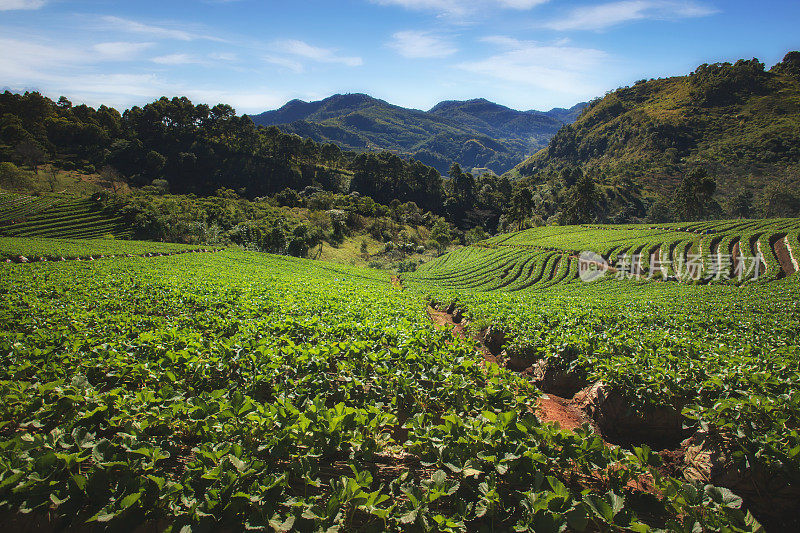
740	121
474	133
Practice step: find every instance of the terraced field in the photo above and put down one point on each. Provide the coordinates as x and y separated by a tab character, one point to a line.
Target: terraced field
729	251
56	217
695	361
242	391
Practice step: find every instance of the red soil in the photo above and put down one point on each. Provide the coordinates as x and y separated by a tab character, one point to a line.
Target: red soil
784	257
551	408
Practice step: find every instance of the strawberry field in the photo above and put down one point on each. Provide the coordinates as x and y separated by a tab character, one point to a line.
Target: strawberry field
243	391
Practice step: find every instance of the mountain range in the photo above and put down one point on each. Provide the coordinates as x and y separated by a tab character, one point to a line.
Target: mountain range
477	134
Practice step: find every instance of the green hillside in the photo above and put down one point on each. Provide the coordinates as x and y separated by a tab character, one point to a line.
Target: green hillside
740	121
474	133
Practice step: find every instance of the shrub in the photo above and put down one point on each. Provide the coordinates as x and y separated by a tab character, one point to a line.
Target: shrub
13	176
407	266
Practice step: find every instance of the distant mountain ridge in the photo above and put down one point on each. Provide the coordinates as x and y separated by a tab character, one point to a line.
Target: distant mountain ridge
477	134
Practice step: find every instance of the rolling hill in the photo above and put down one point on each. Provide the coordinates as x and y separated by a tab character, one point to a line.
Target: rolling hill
740	121
477	134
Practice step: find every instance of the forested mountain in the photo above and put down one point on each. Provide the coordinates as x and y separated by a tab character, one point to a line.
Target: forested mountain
739	122
198	149
476	134
721	142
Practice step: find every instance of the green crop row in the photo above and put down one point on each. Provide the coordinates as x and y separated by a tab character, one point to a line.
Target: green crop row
723	354
237	390
54	249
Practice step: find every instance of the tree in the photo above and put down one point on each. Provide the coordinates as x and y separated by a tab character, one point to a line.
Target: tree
12	176
161	186
289	198
661	210
154	162
779	200
521	206
32	154
52	177
582	201
440	233
694	198
474	235
331	153
463	183
109	174
790	64
571	175
742	205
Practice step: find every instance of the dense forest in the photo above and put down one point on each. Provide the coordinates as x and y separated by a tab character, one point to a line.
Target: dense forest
181	172
174	146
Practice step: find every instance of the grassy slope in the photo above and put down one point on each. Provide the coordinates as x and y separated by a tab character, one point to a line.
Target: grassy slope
657	129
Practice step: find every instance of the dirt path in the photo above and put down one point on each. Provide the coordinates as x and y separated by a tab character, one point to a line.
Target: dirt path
554	408
442	320
551	408
736	254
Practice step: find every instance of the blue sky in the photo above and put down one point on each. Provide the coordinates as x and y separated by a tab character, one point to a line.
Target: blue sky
256	55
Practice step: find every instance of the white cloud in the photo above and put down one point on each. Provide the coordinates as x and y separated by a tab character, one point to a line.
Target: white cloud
177	59
521	4
304	50
66	69
553	67
158	31
120	51
244	102
190	59
285	62
220	56
62	69
459	8
421	44
11	5
29	56
610	14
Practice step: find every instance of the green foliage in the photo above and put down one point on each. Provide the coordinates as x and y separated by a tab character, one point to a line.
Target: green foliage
694	198
238	390
199	149
58	216
12	177
55	249
441	234
738	121
722	352
582	201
